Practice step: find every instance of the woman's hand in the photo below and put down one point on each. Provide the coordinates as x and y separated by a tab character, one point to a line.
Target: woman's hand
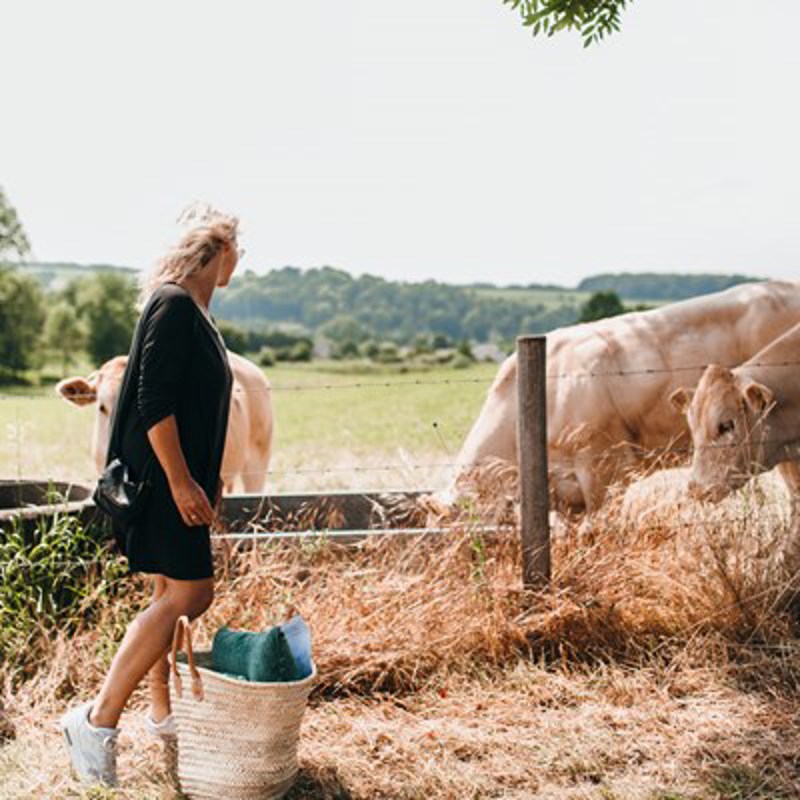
192	502
188	495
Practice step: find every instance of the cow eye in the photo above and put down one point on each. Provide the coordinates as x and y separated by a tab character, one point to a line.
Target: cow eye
725	427
102	409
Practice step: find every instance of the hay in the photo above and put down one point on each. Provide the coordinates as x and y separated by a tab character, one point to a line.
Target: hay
669	603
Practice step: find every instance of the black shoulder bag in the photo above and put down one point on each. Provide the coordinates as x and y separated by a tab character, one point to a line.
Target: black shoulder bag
116	494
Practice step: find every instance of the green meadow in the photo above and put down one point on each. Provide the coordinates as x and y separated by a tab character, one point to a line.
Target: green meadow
336	426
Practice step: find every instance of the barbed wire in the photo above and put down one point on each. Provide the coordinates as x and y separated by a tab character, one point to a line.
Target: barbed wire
300	387
441	382
664	370
581	459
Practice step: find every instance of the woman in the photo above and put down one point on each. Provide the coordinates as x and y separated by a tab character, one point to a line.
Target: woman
173	404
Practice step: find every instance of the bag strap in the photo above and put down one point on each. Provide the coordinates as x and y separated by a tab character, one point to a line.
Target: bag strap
121	407
181	625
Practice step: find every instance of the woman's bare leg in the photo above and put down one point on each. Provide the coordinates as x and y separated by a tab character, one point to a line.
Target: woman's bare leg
158	676
145	642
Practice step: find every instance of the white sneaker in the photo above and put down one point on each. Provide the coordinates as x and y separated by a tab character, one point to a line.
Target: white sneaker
93	750
166	729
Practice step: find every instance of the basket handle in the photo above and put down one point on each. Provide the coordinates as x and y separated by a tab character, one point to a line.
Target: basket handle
181	625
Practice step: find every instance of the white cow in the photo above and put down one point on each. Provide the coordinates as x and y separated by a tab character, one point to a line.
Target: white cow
251	424
602	424
746	420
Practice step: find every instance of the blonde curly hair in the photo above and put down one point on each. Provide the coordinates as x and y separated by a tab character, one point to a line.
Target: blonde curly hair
209	231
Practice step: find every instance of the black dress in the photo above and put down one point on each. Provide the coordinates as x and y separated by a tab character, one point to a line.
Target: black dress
177	365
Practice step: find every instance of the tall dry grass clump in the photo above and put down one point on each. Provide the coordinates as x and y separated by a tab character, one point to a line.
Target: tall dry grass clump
396	614
663	656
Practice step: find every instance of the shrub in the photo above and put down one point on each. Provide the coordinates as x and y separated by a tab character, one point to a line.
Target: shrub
388	353
370	349
348	349
235	337
300	351
266	357
462	362
465	350
49	578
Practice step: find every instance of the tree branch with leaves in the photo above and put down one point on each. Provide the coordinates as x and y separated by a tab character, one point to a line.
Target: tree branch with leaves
592	19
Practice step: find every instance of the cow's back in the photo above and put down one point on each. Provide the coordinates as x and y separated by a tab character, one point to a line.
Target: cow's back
626	367
609	381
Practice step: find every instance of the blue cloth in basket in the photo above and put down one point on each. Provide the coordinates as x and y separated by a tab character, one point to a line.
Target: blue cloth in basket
298	637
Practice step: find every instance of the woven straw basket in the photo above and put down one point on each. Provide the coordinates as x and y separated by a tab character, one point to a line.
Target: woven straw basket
236	739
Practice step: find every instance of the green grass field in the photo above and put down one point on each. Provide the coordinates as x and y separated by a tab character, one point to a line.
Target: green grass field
331	428
549	298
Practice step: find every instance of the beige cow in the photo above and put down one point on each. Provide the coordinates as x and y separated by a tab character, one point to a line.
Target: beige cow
248	445
601	424
746	420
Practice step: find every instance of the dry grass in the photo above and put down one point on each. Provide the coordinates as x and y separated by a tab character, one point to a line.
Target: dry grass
662	663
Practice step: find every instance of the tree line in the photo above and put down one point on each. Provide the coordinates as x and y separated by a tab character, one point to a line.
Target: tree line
376	307
660	286
283	314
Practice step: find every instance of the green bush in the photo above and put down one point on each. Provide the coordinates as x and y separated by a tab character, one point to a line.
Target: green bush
266	357
234	335
465	350
346	349
51	578
369	349
300	351
388	353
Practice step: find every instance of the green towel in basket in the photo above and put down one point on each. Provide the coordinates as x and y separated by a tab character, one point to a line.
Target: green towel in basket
263	656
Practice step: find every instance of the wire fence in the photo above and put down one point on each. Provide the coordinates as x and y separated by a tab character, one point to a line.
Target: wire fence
399	384
667	530
623	452
626	453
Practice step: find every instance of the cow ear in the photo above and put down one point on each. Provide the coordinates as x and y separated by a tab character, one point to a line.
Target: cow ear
758	396
681	399
78	390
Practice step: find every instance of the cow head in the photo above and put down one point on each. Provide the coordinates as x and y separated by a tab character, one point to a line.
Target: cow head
728	417
101	387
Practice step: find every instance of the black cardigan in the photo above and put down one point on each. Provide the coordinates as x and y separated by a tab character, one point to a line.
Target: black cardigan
177	365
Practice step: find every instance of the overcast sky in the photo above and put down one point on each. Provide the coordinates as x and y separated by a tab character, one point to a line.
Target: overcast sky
415	139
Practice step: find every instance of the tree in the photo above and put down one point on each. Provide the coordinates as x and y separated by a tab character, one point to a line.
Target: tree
593	19
234	336
300	351
601	305
12	234
64	333
465	350
106	302
22	314
344	329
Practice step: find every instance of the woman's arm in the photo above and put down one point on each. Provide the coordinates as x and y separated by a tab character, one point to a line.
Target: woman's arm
189	496
166	343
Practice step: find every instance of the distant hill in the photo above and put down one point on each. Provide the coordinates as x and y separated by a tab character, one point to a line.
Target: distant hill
54	275
389	309
370	306
660	286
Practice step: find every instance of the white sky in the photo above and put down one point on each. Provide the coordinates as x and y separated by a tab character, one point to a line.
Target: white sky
415	139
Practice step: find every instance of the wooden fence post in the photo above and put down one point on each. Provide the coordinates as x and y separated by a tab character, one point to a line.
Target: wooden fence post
532	460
